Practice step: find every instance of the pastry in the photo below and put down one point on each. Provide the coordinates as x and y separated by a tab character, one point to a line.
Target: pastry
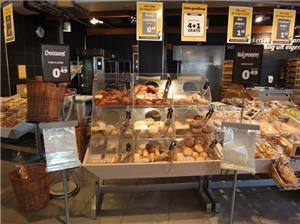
154	114
195	155
179	156
153	130
149	121
187	151
189	141
198	148
140	125
152	157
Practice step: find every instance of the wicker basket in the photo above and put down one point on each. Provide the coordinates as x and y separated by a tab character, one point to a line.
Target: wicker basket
44	101
275	175
32	193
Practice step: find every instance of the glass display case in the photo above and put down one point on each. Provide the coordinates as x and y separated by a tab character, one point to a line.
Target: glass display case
148	118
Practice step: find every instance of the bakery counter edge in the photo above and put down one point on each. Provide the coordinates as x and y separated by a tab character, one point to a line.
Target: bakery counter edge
165	169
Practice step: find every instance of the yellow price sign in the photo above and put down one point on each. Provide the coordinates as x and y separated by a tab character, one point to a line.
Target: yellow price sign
239	25
283	26
193	22
22	72
8	22
149	21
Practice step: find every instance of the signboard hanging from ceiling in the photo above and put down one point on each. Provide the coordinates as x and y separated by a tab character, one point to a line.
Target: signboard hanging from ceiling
239	25
56	63
149	21
247	64
193	22
8	22
283	26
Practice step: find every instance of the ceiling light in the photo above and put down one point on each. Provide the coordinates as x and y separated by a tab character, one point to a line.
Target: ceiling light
259	19
132	19
95	21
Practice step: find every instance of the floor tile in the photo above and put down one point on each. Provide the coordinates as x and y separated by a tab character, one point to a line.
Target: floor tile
188	217
153	219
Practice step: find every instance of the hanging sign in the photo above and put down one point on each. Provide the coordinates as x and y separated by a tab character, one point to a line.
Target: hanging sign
56	63
149	21
283	26
239	25
247	64
8	22
193	22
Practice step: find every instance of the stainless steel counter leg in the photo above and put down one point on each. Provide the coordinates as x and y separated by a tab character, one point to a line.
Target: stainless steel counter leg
207	187
203	197
233	198
94	209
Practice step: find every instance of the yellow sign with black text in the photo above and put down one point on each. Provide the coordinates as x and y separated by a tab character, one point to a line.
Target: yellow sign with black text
149	21
239	25
193	22
283	26
8	22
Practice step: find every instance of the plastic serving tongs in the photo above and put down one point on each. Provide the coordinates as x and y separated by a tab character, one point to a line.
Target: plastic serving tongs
204	89
169	117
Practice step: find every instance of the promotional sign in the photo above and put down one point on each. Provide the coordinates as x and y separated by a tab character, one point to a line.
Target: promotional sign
56	63
22	71
193	22
8	22
149	21
283	26
247	64
239	25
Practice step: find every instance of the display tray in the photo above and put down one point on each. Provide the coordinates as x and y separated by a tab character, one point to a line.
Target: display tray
164	169
18	131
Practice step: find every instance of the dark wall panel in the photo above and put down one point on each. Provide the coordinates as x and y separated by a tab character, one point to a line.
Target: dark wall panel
150	56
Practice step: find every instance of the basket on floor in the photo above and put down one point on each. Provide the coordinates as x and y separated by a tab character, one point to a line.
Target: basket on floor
31	193
44	101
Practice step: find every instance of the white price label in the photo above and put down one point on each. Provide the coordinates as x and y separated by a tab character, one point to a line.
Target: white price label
246	73
194	24
56	73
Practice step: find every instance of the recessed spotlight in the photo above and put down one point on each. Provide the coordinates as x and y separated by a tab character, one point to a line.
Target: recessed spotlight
132	19
259	19
95	21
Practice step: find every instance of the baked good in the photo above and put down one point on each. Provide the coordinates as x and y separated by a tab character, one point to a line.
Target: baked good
154	114
187	151
153	130
198	148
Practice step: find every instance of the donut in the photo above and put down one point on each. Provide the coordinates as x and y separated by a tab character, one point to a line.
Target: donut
153	130
149	121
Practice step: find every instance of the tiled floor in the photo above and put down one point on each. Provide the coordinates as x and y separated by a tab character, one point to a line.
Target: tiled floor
254	205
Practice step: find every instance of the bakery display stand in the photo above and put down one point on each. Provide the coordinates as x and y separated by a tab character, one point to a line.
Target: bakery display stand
172	100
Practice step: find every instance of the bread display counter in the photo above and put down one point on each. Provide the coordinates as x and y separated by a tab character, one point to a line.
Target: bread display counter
13	117
168	127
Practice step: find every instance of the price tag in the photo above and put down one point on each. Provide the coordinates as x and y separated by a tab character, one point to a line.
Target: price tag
56	63
149	21
247	64
193	27
283	26
239	25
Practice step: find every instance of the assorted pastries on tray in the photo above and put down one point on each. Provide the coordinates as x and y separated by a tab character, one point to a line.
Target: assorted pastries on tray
146	95
13	112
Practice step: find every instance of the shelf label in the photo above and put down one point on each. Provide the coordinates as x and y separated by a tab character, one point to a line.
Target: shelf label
193	22
239	25
8	22
56	63
247	64
149	21
283	26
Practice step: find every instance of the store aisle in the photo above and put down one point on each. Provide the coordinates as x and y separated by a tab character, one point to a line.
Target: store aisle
254	205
